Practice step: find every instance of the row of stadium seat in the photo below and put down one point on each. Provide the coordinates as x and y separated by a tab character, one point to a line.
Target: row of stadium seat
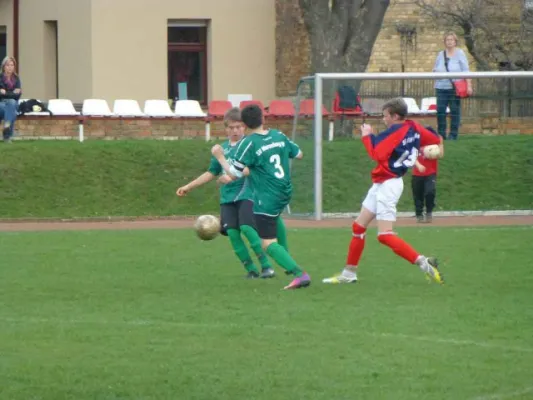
217	108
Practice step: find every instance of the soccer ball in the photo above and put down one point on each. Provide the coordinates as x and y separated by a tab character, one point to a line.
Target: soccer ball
207	227
432	151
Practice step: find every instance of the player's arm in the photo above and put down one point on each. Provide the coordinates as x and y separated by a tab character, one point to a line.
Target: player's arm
419	166
294	149
201	180
367	138
428	136
228	168
441	147
225	179
243	158
381	152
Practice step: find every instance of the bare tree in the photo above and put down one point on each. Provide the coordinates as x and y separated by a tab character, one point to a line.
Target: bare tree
496	33
342	33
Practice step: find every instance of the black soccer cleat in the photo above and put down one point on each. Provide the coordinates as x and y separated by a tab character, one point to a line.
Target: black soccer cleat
252	275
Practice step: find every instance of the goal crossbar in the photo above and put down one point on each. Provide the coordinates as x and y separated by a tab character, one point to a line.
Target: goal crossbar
318	89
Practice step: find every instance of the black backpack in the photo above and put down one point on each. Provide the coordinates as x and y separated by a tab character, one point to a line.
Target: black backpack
32	105
347	97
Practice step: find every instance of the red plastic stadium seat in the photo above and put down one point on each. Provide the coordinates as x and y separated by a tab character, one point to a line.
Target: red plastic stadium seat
259	103
432	107
281	108
337	110
307	107
217	108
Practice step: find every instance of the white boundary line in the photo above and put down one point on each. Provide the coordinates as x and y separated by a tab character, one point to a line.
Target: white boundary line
501	396
481	228
395	336
405	214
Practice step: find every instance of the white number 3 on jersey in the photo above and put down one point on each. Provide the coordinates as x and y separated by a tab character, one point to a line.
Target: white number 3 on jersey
276	160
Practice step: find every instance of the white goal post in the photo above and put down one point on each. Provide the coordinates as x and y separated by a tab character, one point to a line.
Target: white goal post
319	78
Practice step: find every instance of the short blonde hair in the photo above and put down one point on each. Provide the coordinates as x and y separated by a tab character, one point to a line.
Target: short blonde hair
232	115
5	61
453	35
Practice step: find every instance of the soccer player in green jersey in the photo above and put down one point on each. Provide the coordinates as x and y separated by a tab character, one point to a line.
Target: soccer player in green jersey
266	154
236	206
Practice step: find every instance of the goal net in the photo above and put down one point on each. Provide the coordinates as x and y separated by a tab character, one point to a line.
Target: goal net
334	176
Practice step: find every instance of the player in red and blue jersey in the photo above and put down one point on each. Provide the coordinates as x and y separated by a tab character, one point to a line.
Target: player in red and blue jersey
395	150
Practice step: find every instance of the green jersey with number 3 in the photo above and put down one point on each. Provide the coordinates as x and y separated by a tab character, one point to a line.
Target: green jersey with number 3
241	189
267	156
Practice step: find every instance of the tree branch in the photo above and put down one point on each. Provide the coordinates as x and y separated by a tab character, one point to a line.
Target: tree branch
314	10
489	38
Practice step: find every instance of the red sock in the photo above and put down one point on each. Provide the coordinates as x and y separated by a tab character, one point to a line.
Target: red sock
357	244
398	245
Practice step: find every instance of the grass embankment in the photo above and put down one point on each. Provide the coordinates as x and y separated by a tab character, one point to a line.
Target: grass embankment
139	178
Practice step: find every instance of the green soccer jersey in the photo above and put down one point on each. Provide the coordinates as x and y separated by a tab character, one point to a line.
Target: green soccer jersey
267	156
241	189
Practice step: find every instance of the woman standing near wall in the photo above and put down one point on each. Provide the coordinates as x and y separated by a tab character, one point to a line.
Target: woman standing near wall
451	59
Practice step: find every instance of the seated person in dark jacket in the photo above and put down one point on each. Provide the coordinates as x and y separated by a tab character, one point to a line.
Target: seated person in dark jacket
10	91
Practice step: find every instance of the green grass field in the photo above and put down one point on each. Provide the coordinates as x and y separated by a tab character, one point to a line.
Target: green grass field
160	315
45	179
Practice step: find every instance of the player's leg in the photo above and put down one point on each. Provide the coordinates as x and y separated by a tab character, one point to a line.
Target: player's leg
387	199
282	234
430	193
282	237
357	243
417	187
247	227
229	220
267	229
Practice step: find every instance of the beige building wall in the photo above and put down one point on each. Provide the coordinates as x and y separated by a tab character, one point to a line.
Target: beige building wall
6	19
74	48
129	47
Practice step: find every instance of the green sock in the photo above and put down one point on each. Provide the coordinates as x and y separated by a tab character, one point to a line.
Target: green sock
255	243
240	250
282	234
284	259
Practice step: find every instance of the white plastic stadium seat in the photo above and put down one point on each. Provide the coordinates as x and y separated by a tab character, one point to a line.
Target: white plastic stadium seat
188	108
96	108
236	99
127	108
412	106
62	107
429	105
157	108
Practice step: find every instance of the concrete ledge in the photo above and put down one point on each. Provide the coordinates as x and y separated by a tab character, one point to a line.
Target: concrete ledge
40	127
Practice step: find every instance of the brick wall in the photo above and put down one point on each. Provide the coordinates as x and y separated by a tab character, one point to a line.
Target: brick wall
28	127
292	61
31	127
